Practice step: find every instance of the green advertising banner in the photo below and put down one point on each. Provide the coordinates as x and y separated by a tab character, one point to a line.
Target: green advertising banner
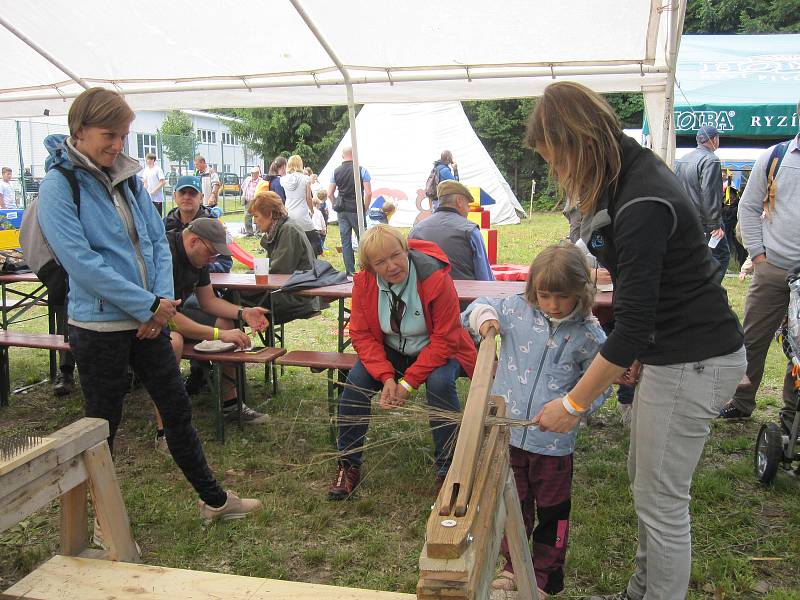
744	85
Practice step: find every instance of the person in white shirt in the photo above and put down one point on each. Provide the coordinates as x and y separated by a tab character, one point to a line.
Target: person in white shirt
8	197
209	181
154	181
321	225
299	204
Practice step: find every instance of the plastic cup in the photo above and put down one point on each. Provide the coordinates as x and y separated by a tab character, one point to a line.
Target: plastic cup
261	269
713	241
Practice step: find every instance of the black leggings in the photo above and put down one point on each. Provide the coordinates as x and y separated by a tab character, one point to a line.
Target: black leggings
103	359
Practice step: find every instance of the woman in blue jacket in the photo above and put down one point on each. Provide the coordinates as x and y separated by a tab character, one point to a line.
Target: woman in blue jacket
120	283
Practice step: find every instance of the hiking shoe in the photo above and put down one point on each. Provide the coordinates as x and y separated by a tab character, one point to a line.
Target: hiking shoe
730	413
249	416
346	481
625	414
234	508
64	385
196	382
161	445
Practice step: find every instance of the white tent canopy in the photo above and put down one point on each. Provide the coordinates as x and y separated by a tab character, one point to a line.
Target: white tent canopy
398	144
305	52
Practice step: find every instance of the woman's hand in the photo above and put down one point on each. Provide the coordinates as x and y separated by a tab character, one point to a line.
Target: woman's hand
554	417
148	330
631	376
256	318
393	395
486	325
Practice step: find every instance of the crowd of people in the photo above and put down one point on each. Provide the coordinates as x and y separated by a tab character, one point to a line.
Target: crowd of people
140	289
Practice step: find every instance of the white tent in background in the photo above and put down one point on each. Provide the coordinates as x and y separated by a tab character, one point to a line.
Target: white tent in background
398	143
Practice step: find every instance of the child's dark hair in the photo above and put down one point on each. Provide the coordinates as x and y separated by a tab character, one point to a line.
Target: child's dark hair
561	268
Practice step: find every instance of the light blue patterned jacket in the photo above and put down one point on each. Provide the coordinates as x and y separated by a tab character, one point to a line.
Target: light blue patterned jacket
539	361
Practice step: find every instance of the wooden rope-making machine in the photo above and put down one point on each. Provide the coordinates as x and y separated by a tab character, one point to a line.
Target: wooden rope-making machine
477	504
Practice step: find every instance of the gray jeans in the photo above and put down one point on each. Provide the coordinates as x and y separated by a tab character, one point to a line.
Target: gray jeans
672	409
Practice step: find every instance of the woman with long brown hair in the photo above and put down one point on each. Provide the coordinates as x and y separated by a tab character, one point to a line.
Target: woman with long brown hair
674	331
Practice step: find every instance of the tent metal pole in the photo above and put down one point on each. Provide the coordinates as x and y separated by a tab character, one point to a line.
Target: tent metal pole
351	113
43	53
676	17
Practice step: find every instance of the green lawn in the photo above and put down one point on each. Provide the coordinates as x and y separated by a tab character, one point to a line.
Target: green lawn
374	540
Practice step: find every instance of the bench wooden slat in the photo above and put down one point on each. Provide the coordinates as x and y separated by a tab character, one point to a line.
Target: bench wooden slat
45	341
318	360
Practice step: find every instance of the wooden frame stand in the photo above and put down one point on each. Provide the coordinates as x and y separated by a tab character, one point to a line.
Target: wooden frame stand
476	505
77	458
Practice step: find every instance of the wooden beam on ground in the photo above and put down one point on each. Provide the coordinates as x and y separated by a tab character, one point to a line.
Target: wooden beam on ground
66	578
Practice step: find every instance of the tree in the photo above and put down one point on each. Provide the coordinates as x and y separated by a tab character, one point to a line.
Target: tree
177	138
742	16
311	132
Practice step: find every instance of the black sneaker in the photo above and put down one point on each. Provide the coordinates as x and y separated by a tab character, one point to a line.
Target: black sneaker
196	382
64	385
732	414
253	417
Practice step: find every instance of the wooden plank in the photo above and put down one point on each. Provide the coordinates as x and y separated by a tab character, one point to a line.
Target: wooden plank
108	504
460	479
66	578
70	442
74	521
38	493
518	544
318	360
28	455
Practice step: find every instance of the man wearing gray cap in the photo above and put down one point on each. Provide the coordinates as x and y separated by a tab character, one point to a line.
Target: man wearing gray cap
458	237
700	173
193	249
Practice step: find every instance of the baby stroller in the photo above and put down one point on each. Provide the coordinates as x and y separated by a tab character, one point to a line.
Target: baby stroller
777	445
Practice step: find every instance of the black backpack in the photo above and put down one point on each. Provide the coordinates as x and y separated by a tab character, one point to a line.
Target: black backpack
37	252
432	183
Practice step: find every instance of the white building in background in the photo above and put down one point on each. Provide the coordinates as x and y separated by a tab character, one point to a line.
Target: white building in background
214	141
22	143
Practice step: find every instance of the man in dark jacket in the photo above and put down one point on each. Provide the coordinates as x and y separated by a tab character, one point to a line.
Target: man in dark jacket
458	237
189	206
700	173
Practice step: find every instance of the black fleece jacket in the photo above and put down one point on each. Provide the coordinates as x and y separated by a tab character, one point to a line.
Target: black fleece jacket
667	306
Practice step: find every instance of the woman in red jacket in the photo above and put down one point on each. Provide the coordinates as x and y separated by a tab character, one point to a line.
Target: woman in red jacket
405	325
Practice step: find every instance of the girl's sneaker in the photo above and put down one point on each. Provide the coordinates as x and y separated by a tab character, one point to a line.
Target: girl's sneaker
234	508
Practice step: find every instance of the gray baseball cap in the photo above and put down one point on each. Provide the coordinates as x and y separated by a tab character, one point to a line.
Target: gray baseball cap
211	230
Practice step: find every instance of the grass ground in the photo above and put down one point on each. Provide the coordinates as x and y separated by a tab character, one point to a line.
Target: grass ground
745	536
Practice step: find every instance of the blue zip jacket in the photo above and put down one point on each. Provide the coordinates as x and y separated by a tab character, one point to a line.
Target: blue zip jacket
539	361
105	282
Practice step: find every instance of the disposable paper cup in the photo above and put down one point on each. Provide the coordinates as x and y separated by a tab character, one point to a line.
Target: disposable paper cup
713	241
261	268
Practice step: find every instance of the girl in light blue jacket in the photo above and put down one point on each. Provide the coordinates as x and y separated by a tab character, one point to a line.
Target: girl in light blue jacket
549	338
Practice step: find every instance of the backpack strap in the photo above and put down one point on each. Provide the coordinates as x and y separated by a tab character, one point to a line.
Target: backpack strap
773	164
69	175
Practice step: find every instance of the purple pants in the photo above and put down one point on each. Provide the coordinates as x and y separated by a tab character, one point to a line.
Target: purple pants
544	486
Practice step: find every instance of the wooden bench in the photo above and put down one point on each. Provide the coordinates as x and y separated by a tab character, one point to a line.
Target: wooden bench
51	342
323	361
67	577
43	341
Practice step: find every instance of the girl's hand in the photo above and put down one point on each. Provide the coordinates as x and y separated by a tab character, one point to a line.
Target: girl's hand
486	325
554	417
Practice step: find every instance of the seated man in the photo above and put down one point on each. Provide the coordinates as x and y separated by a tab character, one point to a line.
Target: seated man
188	207
193	249
458	237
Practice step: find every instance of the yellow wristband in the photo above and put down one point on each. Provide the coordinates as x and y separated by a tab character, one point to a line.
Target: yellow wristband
216	333
155	312
406	385
172	325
